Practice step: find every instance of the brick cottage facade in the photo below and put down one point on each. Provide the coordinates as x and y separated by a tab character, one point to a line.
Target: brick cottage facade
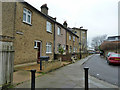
33	31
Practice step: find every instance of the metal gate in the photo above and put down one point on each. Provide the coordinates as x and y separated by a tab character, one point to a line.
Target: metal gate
6	63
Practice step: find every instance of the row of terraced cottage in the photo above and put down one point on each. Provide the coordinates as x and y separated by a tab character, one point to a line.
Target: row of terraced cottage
34	33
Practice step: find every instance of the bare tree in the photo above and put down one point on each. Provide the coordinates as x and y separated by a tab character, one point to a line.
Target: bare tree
97	41
84	45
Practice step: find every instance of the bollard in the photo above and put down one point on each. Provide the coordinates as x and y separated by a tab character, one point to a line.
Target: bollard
33	79
86	77
40	64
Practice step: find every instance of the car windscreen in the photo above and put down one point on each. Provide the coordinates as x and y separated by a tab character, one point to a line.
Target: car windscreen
115	55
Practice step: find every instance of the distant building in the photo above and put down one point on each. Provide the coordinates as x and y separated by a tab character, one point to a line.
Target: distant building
113	38
82	33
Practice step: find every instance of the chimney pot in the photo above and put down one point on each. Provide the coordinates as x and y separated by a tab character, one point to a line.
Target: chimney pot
44	9
65	24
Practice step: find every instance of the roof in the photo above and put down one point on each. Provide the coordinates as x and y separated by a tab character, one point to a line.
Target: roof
47	16
79	29
67	29
50	18
113	38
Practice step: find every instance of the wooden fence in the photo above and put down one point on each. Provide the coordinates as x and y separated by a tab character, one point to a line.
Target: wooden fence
6	63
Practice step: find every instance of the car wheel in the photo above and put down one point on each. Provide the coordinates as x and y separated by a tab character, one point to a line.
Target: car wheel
108	62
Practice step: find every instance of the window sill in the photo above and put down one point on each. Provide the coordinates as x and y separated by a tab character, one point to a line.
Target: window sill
35	47
49	32
27	23
48	52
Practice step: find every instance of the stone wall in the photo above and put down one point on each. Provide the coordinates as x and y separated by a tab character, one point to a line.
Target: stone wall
50	65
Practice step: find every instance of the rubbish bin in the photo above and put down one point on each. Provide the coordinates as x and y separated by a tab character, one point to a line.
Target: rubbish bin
43	58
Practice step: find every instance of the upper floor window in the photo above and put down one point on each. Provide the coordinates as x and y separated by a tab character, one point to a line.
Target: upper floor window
69	37
83	32
73	38
27	16
49	27
59	31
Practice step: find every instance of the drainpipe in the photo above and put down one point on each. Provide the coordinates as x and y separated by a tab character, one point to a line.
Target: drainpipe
54	42
14	24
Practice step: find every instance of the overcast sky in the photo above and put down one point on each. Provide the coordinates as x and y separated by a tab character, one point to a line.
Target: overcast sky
98	16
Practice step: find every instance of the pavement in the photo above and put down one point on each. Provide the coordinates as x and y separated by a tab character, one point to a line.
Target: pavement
70	76
22	72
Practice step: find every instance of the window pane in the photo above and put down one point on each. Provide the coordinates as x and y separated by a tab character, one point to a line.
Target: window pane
59	31
24	10
49	27
29	12
24	16
46	48
28	19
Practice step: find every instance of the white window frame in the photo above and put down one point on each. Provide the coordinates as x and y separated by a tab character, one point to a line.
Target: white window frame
59	31
76	49
58	46
63	46
36	45
48	47
27	14
70	50
73	49
69	37
73	38
48	27
83	32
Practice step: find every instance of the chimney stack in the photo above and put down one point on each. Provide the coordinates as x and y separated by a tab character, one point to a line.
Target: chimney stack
44	9
65	24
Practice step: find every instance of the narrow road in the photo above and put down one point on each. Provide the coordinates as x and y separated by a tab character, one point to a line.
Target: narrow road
100	69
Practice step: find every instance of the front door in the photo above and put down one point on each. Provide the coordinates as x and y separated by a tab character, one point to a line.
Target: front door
39	49
66	48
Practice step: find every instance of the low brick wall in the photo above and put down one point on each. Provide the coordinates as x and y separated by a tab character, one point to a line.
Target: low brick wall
67	57
50	65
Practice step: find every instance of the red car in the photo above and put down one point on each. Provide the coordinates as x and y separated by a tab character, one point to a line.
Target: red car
114	58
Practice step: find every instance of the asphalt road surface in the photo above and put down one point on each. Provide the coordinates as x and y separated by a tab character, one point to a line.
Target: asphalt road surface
99	68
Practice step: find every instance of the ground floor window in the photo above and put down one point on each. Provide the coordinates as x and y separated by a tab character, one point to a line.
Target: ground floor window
73	49
48	47
70	49
58	47
63	47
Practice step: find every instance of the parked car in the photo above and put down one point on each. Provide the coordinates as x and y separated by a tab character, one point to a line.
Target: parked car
108	54
114	58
